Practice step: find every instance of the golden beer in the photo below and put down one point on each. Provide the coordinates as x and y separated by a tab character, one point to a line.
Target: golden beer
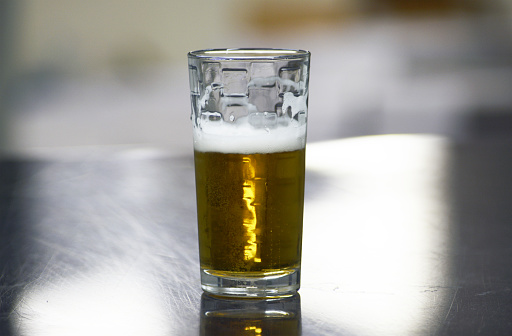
250	209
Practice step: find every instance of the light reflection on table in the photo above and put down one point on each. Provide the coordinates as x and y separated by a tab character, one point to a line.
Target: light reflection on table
107	246
372	228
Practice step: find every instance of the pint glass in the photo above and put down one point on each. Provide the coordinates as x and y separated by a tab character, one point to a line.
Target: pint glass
249	116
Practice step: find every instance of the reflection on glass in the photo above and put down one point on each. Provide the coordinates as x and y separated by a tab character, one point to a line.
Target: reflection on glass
249	317
250	221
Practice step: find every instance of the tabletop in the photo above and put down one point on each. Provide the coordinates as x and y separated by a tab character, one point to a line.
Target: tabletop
403	235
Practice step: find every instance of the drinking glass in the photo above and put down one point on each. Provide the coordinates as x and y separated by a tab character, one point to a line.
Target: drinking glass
249	116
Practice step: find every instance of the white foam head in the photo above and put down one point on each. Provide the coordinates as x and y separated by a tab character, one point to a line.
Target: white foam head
246	139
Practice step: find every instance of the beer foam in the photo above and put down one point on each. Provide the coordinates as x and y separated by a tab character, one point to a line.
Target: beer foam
246	139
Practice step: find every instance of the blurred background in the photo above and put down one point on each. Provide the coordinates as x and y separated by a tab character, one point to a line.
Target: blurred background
76	75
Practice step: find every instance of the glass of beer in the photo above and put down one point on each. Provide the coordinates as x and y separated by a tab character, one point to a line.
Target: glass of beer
249	116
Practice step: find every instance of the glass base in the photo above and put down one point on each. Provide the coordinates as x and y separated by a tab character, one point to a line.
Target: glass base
251	285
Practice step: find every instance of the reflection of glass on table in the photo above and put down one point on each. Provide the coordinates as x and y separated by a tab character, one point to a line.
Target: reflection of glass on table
250	317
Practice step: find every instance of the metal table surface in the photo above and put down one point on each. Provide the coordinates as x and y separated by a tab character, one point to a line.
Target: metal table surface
403	235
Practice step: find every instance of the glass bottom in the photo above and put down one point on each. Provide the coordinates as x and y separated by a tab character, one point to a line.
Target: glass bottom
251	285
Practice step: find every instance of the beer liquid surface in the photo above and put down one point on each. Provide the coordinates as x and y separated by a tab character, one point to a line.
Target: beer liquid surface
250	209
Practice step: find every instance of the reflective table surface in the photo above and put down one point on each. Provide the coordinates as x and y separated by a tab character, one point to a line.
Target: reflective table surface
403	235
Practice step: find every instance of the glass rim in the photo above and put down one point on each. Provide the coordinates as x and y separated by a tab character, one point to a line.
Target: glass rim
244	54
